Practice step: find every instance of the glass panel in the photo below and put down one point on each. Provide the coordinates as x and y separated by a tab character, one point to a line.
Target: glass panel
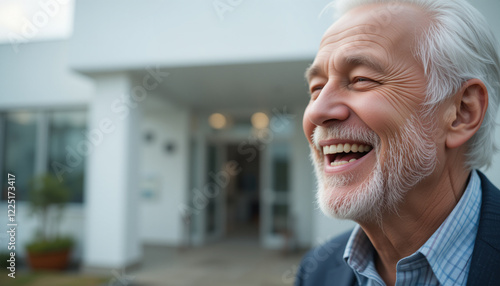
211	207
193	217
280	165
19	151
280	178
68	148
210	228
280	218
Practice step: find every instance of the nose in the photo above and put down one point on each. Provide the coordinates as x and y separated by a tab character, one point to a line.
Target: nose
329	107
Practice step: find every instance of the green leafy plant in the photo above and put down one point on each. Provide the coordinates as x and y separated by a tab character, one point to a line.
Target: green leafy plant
47	199
52	245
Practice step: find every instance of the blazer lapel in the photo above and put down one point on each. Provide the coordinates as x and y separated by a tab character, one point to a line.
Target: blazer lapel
485	264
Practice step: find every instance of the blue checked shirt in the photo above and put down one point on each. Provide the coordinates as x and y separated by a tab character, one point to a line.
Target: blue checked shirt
443	260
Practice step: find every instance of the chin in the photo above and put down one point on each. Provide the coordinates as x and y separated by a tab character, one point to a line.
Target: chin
342	197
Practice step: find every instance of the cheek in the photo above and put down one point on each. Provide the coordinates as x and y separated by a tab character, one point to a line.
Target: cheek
386	111
379	117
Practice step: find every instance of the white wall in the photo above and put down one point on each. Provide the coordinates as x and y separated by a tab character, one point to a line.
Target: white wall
117	34
39	76
166	173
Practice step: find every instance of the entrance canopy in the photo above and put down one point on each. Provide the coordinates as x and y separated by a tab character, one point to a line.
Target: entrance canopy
226	87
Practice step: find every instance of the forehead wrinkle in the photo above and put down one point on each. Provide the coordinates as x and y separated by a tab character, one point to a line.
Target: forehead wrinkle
361	51
383	42
373	29
362	56
335	35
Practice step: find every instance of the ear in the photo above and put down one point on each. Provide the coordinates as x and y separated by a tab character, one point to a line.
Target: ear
470	106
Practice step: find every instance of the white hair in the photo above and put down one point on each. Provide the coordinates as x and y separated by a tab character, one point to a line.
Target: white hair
457	46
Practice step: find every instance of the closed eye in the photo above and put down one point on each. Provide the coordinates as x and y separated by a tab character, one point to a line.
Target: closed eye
361	79
363	83
315	90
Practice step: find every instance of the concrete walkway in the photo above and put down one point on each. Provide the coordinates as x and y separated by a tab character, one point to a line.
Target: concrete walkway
236	262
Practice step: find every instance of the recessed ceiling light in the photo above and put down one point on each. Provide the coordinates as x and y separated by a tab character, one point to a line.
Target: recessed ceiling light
217	121
260	120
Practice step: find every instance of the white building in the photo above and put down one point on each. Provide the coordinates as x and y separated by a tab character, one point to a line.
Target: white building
142	78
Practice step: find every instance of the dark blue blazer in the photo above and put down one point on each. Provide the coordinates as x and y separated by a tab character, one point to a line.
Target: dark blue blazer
325	266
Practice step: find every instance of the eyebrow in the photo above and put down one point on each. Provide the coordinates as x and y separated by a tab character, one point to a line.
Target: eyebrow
350	60
312	71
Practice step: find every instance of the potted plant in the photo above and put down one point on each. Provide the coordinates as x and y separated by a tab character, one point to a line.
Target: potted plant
47	199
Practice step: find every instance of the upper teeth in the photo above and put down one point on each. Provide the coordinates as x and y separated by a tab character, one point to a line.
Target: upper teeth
345	148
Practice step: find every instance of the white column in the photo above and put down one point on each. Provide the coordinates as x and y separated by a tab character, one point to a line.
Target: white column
112	179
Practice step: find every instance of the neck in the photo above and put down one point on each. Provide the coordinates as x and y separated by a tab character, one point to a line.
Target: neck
424	209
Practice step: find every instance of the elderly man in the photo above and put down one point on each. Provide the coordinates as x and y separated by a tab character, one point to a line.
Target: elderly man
403	98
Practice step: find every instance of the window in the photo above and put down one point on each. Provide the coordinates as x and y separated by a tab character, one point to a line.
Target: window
19	131
33	142
66	130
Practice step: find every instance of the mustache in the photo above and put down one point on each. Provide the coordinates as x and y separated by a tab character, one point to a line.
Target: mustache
345	132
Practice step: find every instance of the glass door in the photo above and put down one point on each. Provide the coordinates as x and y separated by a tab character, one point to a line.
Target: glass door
214	191
276	227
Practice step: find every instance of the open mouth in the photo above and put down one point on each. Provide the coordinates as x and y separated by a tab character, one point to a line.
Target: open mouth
341	154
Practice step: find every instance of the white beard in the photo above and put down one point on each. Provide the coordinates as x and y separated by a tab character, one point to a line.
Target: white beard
410	157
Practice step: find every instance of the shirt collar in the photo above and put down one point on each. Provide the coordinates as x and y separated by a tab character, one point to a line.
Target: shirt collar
358	255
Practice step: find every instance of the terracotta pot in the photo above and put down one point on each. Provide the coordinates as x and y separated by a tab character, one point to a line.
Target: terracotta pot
58	260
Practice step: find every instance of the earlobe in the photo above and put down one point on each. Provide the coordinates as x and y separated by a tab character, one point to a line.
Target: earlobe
470	105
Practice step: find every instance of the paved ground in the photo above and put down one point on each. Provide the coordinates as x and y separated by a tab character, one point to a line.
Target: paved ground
237	262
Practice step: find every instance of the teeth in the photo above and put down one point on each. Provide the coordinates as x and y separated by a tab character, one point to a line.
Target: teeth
340	163
346	148
354	148
333	148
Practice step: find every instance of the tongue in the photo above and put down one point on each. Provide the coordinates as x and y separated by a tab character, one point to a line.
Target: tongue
347	157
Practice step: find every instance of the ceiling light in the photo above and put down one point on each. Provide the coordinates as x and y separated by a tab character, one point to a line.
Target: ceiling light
260	120
217	121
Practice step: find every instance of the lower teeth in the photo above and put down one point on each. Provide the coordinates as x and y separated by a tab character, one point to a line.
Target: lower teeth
342	162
